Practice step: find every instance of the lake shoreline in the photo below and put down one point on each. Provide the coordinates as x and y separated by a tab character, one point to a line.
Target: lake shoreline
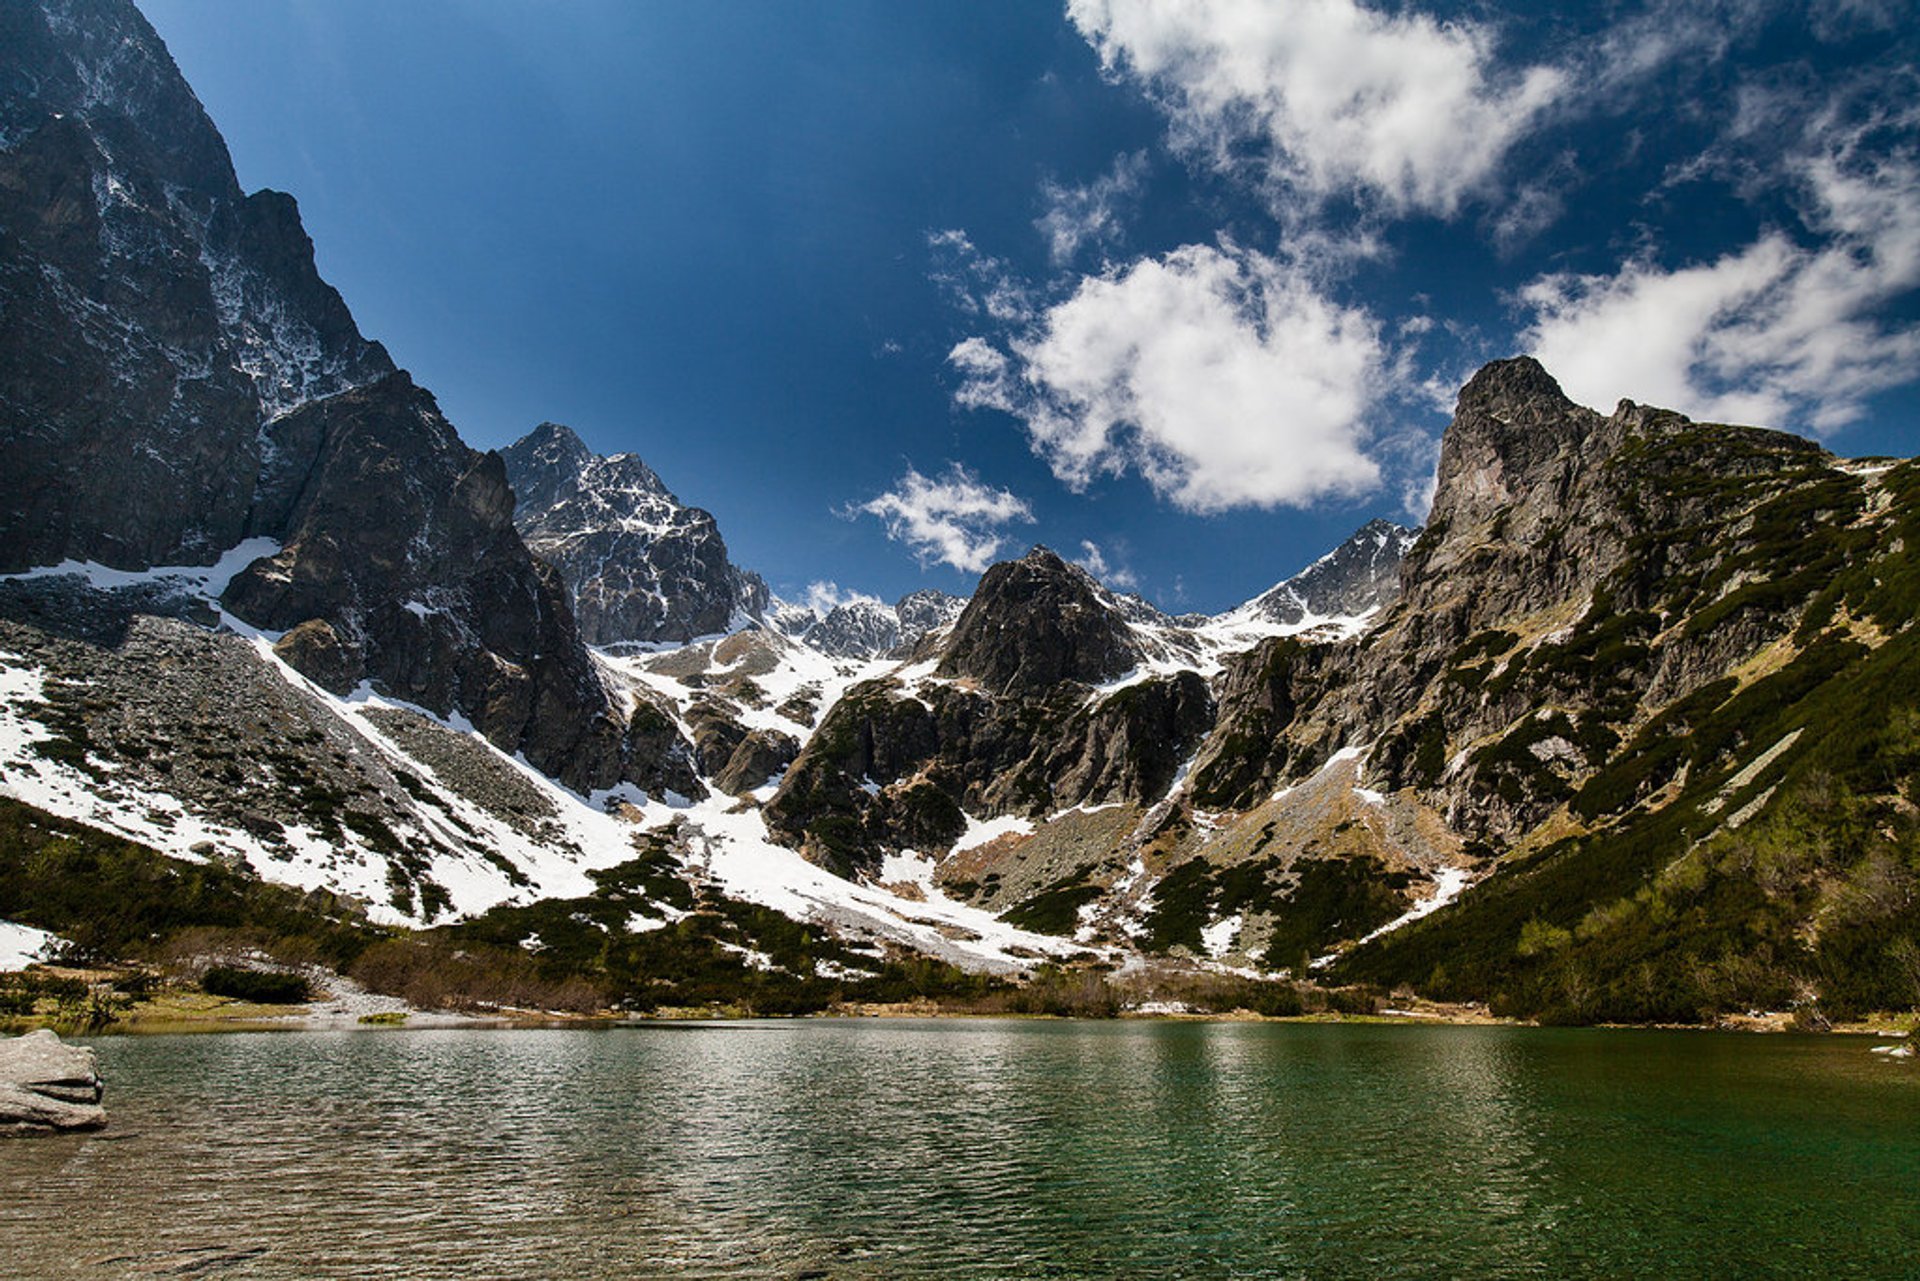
195	1014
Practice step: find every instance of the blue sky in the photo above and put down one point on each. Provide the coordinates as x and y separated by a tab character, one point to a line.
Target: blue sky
1182	290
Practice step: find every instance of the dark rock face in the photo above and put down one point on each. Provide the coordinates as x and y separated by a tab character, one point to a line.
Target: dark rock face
152	318
1015	726
759	757
1577	573
1035	622
640	565
175	377
1355	578
889	770
400	540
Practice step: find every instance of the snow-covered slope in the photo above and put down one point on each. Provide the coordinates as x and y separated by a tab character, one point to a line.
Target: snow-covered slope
238	757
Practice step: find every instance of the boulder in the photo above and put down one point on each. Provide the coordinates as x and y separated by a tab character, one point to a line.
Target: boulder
47	1085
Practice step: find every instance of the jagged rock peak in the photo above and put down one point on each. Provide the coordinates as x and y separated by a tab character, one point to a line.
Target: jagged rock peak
1504	388
133	263
640	565
865	627
1035	622
1352	580
1514	434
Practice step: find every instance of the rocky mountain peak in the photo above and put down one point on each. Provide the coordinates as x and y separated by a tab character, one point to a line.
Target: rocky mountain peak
640	565
1514	435
1035	622
134	263
1357	577
865	627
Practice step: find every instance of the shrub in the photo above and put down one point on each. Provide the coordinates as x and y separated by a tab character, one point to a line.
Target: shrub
263	987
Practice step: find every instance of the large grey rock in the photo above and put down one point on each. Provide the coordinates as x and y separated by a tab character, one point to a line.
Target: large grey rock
47	1085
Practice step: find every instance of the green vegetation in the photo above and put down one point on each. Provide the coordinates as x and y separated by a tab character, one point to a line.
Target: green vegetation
1055	909
263	987
1670	915
1313	903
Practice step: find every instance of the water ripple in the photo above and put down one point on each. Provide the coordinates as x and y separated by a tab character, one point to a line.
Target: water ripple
978	1149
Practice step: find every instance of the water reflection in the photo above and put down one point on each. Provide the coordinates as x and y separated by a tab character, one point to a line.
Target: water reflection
972	1148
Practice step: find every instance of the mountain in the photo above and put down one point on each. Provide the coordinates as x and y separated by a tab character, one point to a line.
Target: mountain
867	628
262	610
158	319
639	565
1351	581
178	382
1630	731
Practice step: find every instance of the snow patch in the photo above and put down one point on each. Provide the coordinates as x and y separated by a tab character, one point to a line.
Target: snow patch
982	831
22	945
1218	938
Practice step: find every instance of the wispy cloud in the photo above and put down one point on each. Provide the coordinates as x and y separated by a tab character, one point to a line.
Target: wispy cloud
1327	97
1221	375
975	283
1780	331
1091	215
953	519
1095	562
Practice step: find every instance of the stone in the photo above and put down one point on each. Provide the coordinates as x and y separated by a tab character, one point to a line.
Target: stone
47	1086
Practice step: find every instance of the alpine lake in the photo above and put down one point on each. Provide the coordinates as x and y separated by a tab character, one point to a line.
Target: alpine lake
979	1148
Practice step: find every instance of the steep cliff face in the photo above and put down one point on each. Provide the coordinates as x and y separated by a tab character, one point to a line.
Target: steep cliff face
155	317
175	378
641	566
1577	572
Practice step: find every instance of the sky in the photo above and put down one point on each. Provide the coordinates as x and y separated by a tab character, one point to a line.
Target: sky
1184	289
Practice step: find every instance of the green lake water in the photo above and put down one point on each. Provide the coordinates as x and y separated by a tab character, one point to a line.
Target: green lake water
980	1149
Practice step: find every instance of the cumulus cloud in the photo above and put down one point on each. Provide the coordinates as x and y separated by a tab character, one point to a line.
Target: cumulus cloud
1779	332
1093	214
1222	376
953	519
1330	96
1095	562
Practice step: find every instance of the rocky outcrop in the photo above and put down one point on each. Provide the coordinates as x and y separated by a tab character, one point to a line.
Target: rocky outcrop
401	563
640	565
869	628
1577	572
1035	622
152	318
1353	580
47	1085
1012	723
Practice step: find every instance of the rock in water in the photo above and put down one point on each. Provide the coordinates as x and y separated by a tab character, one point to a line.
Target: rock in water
47	1085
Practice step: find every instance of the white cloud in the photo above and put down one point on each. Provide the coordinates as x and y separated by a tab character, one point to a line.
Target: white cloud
1336	97
954	519
1222	376
1094	561
1091	214
1780	332
976	283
